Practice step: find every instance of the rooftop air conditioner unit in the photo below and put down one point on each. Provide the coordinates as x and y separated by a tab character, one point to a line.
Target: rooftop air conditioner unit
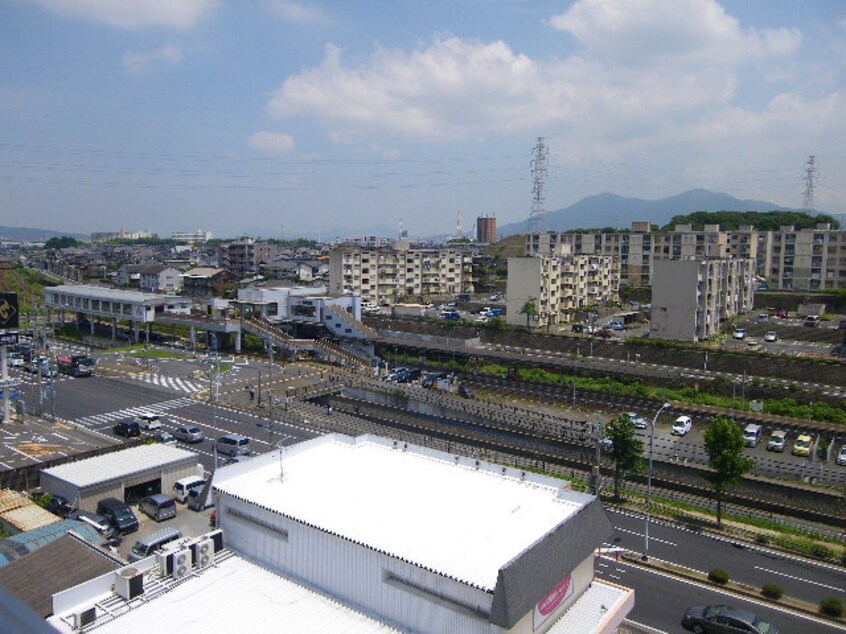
179	563
86	617
129	583
203	552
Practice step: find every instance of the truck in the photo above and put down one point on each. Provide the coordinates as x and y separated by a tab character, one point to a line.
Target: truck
76	365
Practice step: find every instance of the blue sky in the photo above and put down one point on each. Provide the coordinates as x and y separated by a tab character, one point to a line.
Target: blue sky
271	117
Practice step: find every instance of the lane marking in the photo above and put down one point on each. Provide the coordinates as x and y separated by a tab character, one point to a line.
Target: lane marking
795	578
652	539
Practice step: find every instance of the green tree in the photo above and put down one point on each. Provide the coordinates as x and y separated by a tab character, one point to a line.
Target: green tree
724	444
625	450
530	310
61	243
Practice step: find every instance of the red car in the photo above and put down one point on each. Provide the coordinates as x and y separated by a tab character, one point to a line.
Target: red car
781	312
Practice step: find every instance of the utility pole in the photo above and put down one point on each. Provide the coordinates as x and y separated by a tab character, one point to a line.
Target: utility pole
539	165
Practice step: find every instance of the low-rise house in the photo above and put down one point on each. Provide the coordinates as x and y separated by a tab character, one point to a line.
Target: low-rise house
205	282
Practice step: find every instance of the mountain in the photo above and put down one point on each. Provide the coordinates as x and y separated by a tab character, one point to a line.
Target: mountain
26	234
610	210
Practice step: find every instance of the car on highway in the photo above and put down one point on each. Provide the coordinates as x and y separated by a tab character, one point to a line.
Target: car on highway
604	333
802	445
165	437
637	420
189	433
841	456
148	420
739	333
682	425
393	374
782	313
777	441
127	429
725	619
753	345
15	360
771	336
812	321
616	325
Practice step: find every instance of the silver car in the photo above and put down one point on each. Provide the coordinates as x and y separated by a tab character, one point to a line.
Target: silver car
189	434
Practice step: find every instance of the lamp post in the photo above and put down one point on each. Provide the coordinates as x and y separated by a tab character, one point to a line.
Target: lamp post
649	480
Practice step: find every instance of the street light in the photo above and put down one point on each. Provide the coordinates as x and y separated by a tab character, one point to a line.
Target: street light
649	480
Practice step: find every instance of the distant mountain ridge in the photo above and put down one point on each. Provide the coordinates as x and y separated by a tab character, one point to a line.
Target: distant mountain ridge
611	210
27	234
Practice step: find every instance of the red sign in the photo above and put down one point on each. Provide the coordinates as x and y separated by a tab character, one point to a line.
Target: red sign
550	602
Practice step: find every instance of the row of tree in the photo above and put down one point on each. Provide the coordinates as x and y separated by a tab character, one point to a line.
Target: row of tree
723	443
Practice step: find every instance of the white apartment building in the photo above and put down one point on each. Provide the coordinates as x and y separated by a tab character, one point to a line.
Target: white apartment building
788	259
559	286
690	298
393	275
192	236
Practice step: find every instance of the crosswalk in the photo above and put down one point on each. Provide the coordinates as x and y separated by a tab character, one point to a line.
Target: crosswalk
171	382
99	420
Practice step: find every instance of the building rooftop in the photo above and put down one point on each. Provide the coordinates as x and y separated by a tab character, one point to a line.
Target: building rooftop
118	464
17	546
111	294
233	595
462	518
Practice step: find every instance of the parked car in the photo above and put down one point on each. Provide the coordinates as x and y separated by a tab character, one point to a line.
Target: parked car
432	377
148	420
777	441
166	438
764	318
752	434
802	445
158	507
604	333
127	429
97	522
812	320
182	488
15	360
59	505
637	420
841	456
771	336
189	434
752	344
616	325
578	328
782	313
682	425
409	375
393	374
739	333
726	619
119	515
450	315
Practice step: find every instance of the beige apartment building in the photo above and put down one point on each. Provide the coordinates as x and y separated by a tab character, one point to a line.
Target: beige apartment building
397	274
559	285
692	297
787	259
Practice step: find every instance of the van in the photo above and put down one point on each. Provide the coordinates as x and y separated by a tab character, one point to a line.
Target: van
118	514
752	434
158	507
812	320
233	445
149	544
181	488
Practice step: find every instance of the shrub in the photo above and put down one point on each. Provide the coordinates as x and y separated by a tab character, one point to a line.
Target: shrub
719	576
832	606
763	540
821	552
772	591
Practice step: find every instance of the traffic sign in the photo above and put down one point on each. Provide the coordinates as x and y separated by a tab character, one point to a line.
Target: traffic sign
13	393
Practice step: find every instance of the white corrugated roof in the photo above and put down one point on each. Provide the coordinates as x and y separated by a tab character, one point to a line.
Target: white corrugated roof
113	294
417	505
119	464
29	517
235	595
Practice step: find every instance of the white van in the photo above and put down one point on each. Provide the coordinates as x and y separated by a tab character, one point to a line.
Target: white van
181	488
233	445
752	434
148	545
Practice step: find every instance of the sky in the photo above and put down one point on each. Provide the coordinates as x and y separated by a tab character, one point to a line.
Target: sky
281	118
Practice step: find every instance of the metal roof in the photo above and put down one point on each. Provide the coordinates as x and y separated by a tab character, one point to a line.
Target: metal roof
18	545
113	294
236	595
29	517
430	508
119	464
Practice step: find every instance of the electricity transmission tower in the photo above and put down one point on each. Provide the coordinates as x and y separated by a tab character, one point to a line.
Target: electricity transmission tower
809	177
539	163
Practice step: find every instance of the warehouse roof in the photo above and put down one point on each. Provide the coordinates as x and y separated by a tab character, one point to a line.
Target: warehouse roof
462	518
119	464
235	595
113	294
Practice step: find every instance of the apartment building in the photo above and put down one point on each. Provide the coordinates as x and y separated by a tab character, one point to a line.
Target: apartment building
388	276
559	286
199	235
691	298
243	257
486	229
788	259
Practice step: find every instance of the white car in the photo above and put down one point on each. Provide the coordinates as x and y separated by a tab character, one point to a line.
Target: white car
682	426
15	360
148	420
637	420
739	333
771	336
841	457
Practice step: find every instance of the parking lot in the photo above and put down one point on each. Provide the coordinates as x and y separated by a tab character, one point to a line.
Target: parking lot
29	440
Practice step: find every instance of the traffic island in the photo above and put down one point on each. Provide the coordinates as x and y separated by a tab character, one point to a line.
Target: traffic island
735	587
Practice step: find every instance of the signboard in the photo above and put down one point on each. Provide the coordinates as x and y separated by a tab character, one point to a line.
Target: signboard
552	601
13	393
8	338
8	311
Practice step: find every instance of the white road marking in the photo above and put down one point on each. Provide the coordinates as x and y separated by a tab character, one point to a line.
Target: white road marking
652	539
784	574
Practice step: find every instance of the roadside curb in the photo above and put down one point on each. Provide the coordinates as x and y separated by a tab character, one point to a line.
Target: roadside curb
742	589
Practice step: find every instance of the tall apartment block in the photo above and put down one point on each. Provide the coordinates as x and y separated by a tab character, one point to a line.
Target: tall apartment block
486	229
243	256
789	259
559	286
391	275
691	297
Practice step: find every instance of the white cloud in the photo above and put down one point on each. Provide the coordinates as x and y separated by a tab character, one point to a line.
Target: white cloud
299	13
273	143
132	14
137	61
